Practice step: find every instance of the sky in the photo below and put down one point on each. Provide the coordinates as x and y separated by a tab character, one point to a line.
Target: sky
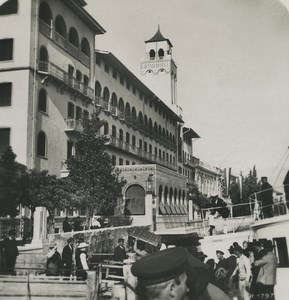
233	72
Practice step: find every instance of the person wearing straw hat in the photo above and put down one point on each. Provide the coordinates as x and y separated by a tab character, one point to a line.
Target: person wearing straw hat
81	261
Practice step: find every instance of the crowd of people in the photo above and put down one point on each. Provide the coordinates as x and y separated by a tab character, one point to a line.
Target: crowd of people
250	269
77	225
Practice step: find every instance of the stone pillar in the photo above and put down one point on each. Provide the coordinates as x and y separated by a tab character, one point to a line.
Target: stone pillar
190	202
40	226
149	208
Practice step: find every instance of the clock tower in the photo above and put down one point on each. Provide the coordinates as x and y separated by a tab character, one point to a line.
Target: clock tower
158	69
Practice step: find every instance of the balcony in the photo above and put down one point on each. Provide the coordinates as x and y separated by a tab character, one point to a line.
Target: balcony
73	125
71	82
191	162
62	41
115	142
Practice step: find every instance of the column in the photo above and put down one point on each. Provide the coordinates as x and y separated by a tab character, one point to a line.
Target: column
40	226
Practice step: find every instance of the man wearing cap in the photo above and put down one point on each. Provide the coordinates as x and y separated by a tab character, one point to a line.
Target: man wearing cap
173	274
266	197
221	271
266	278
119	251
67	257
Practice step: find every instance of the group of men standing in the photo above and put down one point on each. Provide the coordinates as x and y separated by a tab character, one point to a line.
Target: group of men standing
250	269
8	254
64	264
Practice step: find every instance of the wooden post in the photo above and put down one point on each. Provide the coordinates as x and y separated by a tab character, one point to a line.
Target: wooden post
92	283
129	278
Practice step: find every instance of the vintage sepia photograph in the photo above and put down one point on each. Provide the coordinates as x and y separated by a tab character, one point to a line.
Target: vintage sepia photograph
143	149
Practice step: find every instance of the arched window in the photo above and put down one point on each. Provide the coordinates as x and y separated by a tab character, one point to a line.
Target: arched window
156	129
166	195
73	37
45	14
160	131
121	135
140	120
60	26
135	200
41	144
152	54
106	94
113	131
127	112
113	100
140	144
43	55
133	141
146	123
171	195
42	101
127	138
150	126
161	53
97	89
106	128
175	195
145	146
121	105
133	116
85	48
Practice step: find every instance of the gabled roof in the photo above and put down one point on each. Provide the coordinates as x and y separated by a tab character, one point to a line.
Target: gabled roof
158	37
190	133
123	70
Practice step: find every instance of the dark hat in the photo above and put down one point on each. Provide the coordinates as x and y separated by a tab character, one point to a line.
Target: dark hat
231	249
268	244
120	240
264	177
256	243
238	248
219	251
160	266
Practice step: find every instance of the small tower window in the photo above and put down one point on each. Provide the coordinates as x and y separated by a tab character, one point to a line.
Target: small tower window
152	54
161	53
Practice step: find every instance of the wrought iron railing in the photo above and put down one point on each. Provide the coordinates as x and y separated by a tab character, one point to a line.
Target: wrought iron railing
58	73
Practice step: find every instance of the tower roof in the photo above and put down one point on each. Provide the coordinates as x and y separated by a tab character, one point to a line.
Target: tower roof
158	37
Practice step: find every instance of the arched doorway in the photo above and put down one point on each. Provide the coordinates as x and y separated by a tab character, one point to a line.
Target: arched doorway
135	200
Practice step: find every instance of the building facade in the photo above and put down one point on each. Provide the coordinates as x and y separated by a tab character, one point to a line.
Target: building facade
51	76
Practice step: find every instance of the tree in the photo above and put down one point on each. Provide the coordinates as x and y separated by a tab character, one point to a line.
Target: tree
91	172
48	191
11	188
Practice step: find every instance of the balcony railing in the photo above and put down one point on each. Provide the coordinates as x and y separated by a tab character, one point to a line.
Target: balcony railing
73	125
58	73
64	43
140	152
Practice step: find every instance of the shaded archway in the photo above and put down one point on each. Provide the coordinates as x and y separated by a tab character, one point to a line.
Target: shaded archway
135	200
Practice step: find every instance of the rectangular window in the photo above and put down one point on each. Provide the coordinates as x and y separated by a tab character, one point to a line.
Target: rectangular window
4	139
120	161
5	93
113	160
133	90
128	85
70	111
114	74
6	49
281	251
121	81
127	162
9	7
70	149
98	61
78	114
106	68
85	80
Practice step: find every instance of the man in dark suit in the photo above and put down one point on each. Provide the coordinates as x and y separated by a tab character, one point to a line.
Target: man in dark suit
10	252
67	257
119	251
66	227
266	196
119	255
